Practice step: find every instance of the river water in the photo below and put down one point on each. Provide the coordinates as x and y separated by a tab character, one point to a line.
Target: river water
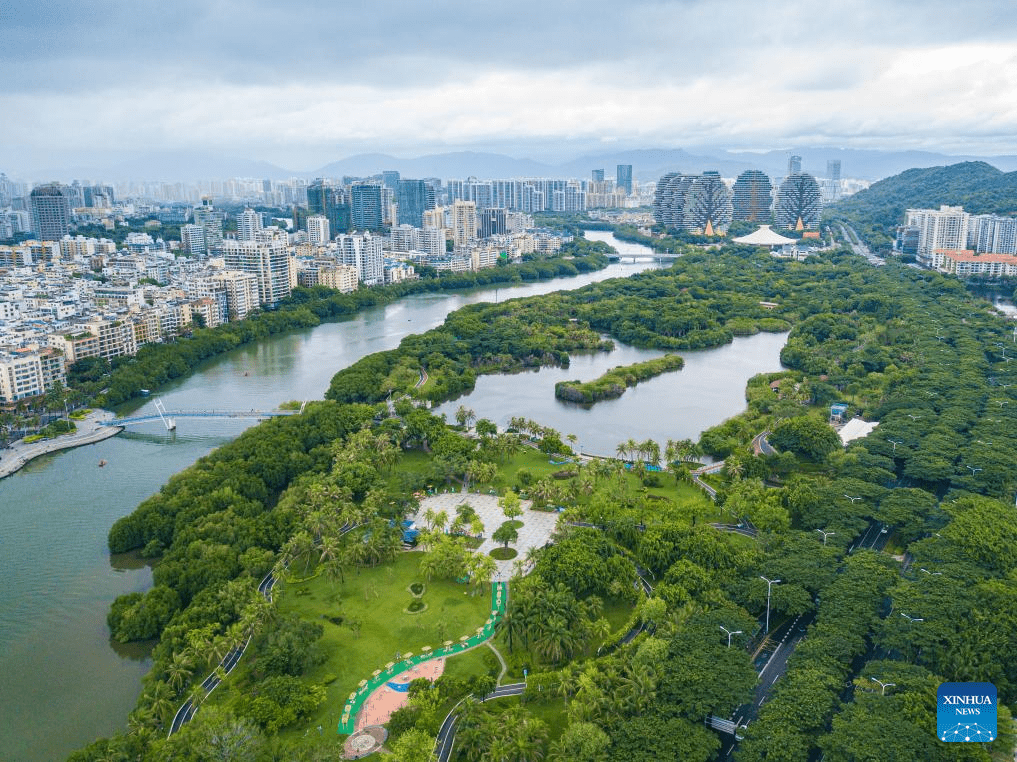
62	683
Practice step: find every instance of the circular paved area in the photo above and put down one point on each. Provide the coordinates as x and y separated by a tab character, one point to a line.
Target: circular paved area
538	526
364	742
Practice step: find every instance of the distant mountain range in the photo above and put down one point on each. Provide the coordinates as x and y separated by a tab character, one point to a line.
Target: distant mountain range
648	164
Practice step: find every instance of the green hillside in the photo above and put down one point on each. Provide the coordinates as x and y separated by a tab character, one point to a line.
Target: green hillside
876	211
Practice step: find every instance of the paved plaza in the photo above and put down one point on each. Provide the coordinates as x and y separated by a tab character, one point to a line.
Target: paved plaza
536	531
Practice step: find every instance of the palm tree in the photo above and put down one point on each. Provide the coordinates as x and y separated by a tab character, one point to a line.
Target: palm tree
572	439
160	700
179	670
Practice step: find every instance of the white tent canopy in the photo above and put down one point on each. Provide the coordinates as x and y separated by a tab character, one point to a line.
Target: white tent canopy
764	237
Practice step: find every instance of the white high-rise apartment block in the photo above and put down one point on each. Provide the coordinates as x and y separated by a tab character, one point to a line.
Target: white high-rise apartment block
943	229
403	238
318	232
267	258
248	225
241	292
192	240
364	252
432	240
29	374
464	222
990	234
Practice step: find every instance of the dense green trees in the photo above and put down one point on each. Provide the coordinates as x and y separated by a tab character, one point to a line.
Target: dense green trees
613	383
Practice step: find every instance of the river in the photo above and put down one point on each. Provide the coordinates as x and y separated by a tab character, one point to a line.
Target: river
63	683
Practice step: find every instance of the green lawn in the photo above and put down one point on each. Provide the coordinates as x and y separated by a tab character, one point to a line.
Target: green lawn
377	598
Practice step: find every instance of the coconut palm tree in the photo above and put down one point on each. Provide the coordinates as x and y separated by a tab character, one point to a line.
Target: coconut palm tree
179	670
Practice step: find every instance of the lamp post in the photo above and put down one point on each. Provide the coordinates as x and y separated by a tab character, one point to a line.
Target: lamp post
972	469
729	634
931	573
895	442
825	534
912	619
769	583
883	685
852	499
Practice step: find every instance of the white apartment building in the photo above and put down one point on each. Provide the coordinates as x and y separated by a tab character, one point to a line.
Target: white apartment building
96	338
364	252
241	289
267	258
989	233
29	373
318	233
966	262
946	228
192	240
248	225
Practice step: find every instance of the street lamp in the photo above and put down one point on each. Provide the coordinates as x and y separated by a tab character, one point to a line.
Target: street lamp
931	574
769	583
895	442
883	685
825	534
911	619
852	499
729	634
972	469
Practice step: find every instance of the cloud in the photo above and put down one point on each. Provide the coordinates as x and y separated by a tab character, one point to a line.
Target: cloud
306	76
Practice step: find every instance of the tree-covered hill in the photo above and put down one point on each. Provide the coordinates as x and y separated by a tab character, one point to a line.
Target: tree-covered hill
876	211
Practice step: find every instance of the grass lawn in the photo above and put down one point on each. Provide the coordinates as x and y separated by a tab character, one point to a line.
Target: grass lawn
377	599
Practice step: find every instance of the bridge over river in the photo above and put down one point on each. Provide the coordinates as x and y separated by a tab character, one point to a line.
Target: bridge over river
169	417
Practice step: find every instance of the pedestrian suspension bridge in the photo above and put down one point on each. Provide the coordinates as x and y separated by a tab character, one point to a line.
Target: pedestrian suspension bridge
169	417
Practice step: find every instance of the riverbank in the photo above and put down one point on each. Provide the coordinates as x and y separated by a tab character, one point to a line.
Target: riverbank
89	431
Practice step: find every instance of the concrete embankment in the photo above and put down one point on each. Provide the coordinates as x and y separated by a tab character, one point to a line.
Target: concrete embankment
89	431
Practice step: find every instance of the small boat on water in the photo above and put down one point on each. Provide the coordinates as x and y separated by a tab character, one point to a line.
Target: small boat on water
102	463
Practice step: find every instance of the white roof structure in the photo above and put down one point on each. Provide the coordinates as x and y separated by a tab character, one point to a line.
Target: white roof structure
856	428
764	237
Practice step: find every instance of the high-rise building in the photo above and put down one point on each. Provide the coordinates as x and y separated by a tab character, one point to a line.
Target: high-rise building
366	205
624	182
491	222
414	197
248	225
51	211
464	222
390	179
192	240
708	207
267	258
833	178
331	202
318	229
945	228
597	175
210	219
364	252
794	164
799	204
752	198
991	234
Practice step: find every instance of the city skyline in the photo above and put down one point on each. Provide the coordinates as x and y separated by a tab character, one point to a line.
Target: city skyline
277	85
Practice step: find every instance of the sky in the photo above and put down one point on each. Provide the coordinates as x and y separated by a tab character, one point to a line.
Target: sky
303	82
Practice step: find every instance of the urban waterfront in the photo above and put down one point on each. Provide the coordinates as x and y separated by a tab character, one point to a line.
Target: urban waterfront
64	684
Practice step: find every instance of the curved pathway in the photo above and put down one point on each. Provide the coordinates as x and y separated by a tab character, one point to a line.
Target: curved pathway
499	595
93	428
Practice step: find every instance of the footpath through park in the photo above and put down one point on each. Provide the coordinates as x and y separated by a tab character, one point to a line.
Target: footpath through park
356	700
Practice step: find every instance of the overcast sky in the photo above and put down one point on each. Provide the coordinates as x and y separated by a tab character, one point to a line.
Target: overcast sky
303	82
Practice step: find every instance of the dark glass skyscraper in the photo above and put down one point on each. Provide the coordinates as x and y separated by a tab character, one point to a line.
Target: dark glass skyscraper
51	212
625	178
365	205
413	198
